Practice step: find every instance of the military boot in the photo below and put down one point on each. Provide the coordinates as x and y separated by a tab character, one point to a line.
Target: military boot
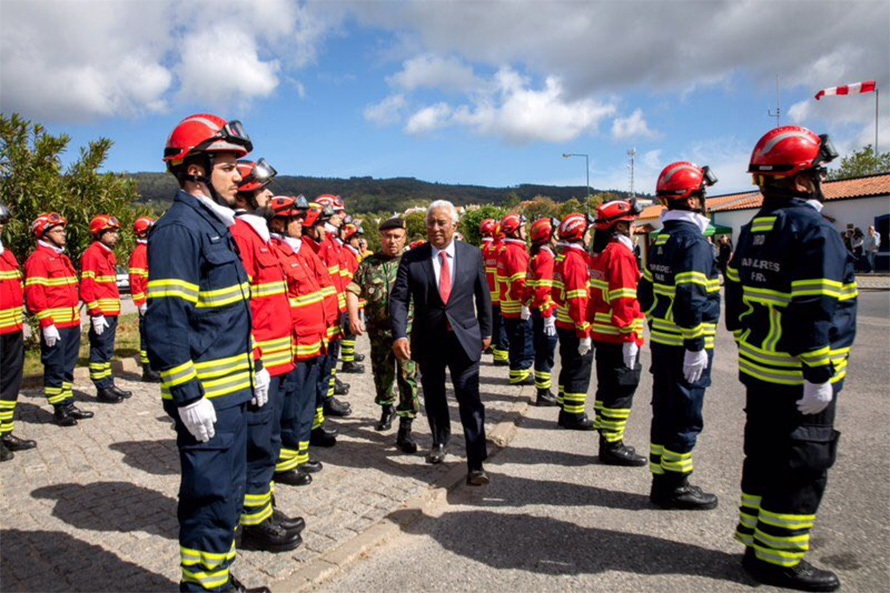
5	454
121	392
802	576
545	398
404	441
106	395
574	421
292	525
150	376
269	537
387	413
675	492
334	407
340	388
352	367
14	443
359	357
618	453
319	438
235	586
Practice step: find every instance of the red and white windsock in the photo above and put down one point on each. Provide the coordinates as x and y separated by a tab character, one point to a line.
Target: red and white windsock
848	89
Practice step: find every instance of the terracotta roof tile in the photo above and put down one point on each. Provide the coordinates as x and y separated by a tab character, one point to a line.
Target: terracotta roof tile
844	189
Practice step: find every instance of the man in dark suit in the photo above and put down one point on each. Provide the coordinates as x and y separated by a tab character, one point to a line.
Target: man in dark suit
445	279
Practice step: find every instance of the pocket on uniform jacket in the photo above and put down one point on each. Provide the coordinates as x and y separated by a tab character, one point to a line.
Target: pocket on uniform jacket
813	448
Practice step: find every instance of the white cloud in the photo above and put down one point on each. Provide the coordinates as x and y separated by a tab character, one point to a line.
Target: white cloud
388	111
634	126
435	72
428	119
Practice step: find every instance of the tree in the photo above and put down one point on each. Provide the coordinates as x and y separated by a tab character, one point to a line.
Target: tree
862	162
469	224
540	207
32	181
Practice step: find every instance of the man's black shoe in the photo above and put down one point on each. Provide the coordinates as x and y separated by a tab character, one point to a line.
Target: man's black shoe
313	466
14	443
575	421
78	413
477	477
334	407
803	576
386	415
436	454
329	429
294	525
319	438
62	416
106	395
404	441
352	367
545	398
269	537
618	453
293	477
359	357
121	392
5	454
150	376
340	388
684	497
235	586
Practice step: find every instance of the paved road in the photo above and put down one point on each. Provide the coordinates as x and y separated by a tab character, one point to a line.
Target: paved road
554	519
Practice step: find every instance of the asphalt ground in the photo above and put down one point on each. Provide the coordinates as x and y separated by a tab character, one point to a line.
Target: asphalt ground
554	519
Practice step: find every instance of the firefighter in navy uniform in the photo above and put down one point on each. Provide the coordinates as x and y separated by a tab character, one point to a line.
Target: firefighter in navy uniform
791	304
680	295
198	330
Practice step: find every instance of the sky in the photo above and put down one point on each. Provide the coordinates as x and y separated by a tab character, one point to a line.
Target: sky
473	92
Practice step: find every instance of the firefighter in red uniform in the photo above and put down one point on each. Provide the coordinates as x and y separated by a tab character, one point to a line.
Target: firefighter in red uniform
12	345
539	288
512	270
617	331
490	254
98	289
500	345
261	529
350	236
572	277
138	270
51	295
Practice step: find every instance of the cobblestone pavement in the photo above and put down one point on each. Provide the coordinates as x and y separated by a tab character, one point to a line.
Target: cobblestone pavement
93	508
873	281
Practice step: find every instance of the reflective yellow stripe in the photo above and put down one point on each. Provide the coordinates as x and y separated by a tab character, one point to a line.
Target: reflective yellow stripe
816	287
623	293
762	224
138	272
172	287
786	520
733	274
10	275
576	294
178	374
308	299
766	296
268	289
222	296
691	278
50	281
189	557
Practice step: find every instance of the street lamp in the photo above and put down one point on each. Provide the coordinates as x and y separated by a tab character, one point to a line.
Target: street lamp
567	155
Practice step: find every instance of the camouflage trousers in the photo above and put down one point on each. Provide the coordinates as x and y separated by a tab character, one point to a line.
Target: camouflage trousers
383	365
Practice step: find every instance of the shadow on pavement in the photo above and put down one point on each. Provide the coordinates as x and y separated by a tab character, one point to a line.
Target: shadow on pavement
548	546
113	506
529	456
55	561
160	458
34	413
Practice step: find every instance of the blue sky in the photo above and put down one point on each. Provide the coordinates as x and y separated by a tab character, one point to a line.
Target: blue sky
487	93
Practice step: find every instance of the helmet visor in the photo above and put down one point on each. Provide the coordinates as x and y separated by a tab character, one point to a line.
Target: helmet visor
827	151
233	133
708	177
263	172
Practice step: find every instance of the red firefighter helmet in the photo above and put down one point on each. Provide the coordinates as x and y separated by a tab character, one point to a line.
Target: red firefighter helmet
317	213
255	175
287	206
142	225
574	226
609	213
351	230
45	222
102	223
512	222
487	227
681	179
542	230
203	133
326	200
787	150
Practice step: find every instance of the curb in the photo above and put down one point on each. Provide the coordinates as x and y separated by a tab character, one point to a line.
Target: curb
318	570
126	365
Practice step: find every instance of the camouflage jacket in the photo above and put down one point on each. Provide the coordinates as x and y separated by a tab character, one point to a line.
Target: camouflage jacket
373	281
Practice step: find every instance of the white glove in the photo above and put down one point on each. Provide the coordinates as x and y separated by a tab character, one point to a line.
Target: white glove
199	418
694	364
261	388
99	324
525	314
630	350
51	336
585	346
550	326
143	308
816	397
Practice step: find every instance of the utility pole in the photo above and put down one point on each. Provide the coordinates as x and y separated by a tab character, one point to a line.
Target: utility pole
632	153
778	112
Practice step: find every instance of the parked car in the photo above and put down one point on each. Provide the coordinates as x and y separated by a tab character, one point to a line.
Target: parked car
123	279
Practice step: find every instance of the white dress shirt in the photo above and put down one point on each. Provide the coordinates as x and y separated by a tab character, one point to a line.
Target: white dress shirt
437	262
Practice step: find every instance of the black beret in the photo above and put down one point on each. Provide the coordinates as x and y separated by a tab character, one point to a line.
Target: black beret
392	223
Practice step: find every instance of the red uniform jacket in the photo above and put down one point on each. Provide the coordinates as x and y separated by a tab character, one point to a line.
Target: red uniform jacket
12	296
51	288
330	253
617	317
490	251
138	270
539	284
98	281
512	268
572	276
304	273
328	290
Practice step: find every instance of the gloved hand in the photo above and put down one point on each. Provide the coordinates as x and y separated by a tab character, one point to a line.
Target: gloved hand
99	324
585	346
550	326
261	388
525	314
51	336
199	418
694	364
816	397
630	350
143	308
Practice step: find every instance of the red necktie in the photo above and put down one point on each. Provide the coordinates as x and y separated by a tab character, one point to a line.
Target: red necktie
444	278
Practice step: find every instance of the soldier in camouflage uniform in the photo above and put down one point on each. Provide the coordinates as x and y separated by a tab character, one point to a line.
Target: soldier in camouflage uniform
373	281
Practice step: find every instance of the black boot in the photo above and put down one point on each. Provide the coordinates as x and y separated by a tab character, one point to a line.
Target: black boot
269	537
386	415
529	380
672	492
5	454
340	388
235	586
150	376
545	398
404	441
803	576
292	525
14	443
328	428
62	416
501	363
77	413
293	477
575	421
121	392
352	367
313	466
359	357
319	438
106	395
334	407
618	453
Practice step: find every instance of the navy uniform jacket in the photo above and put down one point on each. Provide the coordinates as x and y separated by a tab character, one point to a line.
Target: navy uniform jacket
680	288
198	325
791	297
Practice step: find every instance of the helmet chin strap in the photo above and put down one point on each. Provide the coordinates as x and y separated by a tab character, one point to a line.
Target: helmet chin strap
205	180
